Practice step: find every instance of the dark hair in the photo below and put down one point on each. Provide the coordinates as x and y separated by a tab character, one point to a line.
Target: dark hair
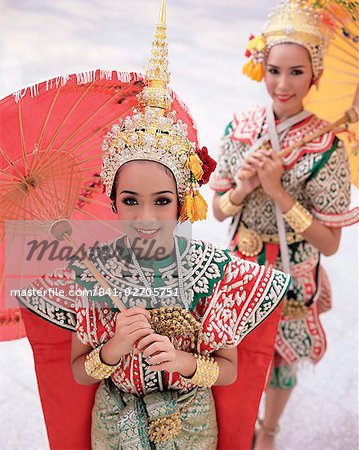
113	193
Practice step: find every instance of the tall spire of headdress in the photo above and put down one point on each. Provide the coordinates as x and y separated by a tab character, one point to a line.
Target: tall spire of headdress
152	133
155	94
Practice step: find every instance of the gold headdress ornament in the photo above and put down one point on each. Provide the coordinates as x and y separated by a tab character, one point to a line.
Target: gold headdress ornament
152	133
292	21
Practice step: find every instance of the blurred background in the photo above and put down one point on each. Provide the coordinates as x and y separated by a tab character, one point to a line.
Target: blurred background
41	39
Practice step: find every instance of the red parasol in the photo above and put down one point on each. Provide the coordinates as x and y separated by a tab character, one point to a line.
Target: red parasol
50	154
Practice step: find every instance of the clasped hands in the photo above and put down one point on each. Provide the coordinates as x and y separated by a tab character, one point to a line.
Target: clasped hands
134	333
262	168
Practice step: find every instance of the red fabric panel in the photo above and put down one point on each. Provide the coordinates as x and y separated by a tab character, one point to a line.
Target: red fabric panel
237	405
66	405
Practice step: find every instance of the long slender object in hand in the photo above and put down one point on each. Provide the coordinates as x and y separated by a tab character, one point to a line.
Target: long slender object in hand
61	229
350	116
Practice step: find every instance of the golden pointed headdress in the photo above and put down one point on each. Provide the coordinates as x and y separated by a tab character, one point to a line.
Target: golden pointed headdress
292	21
152	133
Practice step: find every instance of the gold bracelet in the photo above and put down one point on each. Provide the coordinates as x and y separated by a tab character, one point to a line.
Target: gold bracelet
206	373
95	368
226	205
298	218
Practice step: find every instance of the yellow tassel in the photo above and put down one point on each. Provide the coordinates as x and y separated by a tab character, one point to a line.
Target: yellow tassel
258	72
200	207
187	208
254	71
248	68
194	164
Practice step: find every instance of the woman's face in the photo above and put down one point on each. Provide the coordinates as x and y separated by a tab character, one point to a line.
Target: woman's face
288	77
147	205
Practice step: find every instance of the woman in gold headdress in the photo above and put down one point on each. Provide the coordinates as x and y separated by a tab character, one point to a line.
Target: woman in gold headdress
286	212
184	306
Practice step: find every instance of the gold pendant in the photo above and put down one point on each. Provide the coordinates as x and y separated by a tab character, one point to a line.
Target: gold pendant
165	428
174	321
249	242
294	309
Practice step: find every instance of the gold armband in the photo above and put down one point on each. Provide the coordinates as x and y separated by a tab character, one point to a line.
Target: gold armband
298	218
226	205
95	368
206	372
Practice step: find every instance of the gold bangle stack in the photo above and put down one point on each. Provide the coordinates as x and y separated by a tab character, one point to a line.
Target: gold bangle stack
298	218
206	372
226	205
95	368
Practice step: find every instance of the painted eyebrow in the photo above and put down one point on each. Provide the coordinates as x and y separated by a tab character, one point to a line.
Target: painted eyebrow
155	193
163	192
293	67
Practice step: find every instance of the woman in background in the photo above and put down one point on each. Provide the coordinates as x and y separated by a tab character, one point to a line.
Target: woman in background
286	212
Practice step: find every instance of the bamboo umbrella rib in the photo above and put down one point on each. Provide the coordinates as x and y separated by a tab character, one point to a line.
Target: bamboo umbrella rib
95	202
8	183
62	186
344	61
348	83
78	129
93	216
22	137
67	185
346	52
344	72
90	188
9	247
11	178
11	162
12	205
110	99
330	99
91	158
6	203
46	202
337	19
84	170
33	202
47	199
59	149
71	192
99	130
88	177
68	115
52	178
22	263
346	40
44	127
43	205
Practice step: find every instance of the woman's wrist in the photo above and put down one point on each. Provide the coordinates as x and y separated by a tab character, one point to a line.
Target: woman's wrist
187	364
282	199
239	193
110	354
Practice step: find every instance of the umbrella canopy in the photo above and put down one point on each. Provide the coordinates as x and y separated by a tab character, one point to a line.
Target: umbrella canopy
341	74
50	155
